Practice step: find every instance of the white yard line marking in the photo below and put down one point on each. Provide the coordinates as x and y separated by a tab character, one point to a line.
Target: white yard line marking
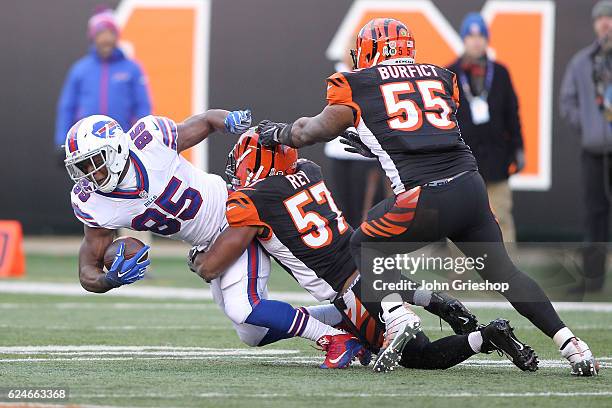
476	394
152	292
221	327
108	305
103	348
71	405
191	327
381	395
134	358
274	356
559	306
315	394
120	328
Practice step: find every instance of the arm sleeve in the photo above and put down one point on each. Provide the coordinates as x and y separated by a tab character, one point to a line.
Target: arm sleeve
91	212
339	92
568	97
66	106
167	132
141	102
82	215
241	212
511	115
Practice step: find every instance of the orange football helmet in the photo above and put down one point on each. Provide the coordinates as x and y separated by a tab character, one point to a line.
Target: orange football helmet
249	161
383	39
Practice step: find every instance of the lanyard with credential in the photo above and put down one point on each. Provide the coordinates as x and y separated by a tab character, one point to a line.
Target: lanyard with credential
465	84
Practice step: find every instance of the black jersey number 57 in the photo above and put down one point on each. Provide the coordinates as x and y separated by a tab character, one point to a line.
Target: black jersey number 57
317	222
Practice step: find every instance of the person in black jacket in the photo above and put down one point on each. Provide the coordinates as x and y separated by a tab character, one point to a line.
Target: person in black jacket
585	102
488	118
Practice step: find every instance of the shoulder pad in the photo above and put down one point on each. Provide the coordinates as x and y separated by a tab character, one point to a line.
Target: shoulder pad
240	211
339	92
161	128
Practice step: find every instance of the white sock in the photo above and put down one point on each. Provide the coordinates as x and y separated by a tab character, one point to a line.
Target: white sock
327	314
562	336
389	302
475	340
422	297
314	329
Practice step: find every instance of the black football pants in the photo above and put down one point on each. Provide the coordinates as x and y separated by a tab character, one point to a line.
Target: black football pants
460	211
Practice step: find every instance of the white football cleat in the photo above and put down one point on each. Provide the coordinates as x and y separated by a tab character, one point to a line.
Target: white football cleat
402	325
581	359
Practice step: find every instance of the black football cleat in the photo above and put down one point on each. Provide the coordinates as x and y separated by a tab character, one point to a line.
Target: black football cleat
453	312
499	335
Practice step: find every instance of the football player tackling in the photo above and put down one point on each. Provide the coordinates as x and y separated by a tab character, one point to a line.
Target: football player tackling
139	180
286	205
404	113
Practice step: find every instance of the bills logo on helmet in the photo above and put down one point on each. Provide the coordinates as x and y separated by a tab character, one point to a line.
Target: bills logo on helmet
105	129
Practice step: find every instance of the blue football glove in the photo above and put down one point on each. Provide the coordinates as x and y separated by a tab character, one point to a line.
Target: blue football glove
125	271
238	121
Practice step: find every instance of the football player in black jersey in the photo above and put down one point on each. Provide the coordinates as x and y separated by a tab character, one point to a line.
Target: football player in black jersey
289	209
404	113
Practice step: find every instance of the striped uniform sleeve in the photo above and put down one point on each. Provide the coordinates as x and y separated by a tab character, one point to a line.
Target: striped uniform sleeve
84	217
240	211
168	130
339	92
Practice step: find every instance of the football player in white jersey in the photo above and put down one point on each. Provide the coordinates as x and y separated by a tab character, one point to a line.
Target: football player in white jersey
138	180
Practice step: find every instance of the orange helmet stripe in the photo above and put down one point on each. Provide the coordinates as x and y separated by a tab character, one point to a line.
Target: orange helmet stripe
383	39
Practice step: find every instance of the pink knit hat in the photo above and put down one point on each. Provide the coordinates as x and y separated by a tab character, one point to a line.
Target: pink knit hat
103	19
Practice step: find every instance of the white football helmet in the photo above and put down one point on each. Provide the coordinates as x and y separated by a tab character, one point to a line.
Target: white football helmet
92	144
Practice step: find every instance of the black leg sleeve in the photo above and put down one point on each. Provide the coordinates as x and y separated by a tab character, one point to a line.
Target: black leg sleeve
525	295
438	355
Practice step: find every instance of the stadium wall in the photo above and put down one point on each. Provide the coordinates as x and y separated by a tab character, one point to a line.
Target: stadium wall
269	55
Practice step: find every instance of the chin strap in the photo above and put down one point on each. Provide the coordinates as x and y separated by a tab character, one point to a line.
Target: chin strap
110	184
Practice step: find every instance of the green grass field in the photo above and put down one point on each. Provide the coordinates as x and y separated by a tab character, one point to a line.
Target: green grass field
113	351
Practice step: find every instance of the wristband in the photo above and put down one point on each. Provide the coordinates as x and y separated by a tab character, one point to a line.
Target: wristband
284	137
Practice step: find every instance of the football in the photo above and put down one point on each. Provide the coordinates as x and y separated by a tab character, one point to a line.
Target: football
132	246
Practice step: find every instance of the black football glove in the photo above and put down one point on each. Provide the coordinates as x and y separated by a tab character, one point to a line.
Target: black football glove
274	133
193	252
191	257
354	144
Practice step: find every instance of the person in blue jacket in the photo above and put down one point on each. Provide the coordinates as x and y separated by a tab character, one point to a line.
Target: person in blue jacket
103	82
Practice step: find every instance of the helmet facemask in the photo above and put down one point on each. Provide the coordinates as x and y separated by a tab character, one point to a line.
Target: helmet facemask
230	170
249	161
354	58
247	175
95	145
94	161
